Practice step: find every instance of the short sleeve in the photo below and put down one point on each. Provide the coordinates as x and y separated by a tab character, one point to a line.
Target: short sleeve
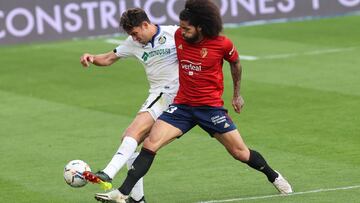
230	52
125	49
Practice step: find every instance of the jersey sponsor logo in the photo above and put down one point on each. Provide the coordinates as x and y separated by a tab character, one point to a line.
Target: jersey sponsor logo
159	52
162	40
145	56
190	66
203	52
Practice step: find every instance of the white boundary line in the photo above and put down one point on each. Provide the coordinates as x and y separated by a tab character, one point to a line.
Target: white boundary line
118	42
279	195
248	58
277	56
309	53
114	41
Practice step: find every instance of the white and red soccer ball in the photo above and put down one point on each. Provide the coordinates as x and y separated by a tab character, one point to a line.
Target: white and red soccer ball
73	173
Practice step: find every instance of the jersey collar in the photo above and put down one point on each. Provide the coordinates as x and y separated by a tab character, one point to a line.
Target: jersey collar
152	41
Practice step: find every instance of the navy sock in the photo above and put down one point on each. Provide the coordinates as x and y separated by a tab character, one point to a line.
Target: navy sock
139	168
257	162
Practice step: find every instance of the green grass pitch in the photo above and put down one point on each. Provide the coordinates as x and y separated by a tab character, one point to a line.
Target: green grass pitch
302	113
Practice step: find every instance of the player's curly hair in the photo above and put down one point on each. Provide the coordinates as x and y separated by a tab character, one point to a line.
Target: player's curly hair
133	17
205	14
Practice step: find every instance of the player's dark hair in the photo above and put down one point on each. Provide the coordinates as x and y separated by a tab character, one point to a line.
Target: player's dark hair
205	14
133	17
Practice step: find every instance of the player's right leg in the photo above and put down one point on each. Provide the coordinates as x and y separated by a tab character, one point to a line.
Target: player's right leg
138	130
137	193
161	134
133	135
170	125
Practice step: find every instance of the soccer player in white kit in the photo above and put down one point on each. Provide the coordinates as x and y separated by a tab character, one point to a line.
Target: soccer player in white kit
154	47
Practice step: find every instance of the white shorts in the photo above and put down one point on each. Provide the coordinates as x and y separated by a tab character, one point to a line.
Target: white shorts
156	103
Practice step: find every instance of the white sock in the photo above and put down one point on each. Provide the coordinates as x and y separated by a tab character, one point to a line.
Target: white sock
126	149
138	190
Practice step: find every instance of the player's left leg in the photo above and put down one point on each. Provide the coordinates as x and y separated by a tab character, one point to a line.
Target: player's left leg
235	145
137	193
218	124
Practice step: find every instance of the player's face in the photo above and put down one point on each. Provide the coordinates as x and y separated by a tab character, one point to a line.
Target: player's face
140	33
189	32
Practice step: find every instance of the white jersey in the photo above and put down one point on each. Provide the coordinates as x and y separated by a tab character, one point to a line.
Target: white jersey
158	57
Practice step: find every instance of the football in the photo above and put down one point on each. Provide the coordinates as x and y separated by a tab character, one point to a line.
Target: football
73	173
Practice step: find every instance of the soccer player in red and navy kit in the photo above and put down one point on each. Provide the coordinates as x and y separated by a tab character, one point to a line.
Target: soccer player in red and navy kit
201	51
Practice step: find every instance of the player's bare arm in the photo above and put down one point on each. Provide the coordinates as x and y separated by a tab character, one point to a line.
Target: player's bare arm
105	59
237	101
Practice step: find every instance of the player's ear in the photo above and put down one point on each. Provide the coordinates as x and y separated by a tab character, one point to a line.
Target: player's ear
145	24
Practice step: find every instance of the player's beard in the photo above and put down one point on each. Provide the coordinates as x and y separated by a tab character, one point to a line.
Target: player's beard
192	39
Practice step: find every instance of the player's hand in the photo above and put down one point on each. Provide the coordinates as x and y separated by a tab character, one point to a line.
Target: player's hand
85	59
238	103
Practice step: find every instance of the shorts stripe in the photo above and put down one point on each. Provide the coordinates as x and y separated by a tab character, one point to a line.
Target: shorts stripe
157	98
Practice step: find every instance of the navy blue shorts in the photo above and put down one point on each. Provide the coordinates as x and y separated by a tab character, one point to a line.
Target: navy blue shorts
211	119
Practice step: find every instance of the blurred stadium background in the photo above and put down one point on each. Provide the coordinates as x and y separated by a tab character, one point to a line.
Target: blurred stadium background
301	84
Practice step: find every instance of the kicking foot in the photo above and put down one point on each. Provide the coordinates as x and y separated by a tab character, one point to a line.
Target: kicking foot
103	176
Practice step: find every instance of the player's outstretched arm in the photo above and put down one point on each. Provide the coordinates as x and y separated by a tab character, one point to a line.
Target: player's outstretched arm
237	101
105	59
